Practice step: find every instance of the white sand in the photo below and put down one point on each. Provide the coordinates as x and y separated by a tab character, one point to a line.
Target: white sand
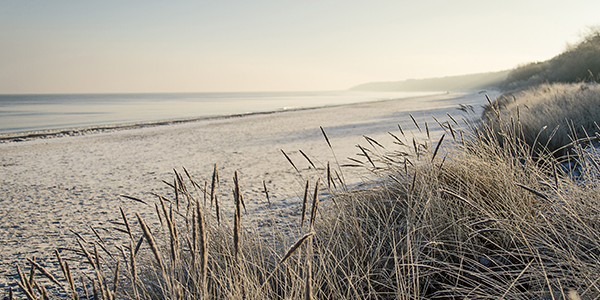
52	186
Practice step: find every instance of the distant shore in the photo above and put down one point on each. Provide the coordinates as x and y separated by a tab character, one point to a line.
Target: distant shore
20	136
39	115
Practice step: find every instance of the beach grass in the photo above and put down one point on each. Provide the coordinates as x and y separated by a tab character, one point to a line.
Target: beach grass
548	118
481	212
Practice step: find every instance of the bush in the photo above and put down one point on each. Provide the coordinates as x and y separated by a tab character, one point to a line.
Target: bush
579	63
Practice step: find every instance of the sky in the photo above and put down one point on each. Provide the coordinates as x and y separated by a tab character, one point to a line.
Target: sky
133	46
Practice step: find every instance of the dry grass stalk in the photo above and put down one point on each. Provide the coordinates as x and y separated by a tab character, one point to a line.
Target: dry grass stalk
203	249
308	284
213	186
217	210
24	284
41	290
45	272
25	290
100	275
176	191
134	199
437	147
373	142
308	159
401	131
127	223
31	271
180	182
364	152
326	138
71	282
79	236
439	123
296	246
237	217
204	192
133	270
541	195
174	237
102	244
315	205
415	147
342	181
172	230
85	290
193	245
452	131
304	200
88	256
329	176
267	193
416	124
289	160
158	214
94	290
61	264
115	281
150	239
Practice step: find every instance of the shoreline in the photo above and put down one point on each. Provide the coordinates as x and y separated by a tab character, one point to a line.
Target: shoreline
74	131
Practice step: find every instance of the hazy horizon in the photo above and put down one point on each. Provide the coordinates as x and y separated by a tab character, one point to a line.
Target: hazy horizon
64	47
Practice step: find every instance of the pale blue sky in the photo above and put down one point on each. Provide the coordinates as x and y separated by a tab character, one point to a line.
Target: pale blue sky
211	46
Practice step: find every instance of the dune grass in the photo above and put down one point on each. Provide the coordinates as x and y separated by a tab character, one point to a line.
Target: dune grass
548	117
468	215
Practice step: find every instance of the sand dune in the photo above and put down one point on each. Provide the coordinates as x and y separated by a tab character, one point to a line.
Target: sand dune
52	186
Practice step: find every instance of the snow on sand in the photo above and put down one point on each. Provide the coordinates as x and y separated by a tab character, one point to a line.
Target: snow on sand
51	187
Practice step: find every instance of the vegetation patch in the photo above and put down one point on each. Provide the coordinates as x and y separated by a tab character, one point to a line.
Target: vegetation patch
578	63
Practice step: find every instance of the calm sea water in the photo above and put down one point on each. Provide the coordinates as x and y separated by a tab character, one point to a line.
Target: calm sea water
23	113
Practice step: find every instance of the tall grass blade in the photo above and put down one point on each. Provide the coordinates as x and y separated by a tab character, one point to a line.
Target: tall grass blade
150	239
213	185
366	155
539	194
267	193
134	199
401	131
326	138
304	200
437	147
289	160
237	217
315	205
45	272
373	142
295	247
416	124
308	159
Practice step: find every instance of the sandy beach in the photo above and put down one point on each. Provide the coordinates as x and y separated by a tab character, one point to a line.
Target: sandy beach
52	187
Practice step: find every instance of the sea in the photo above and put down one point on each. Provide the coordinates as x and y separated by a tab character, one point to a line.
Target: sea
32	113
